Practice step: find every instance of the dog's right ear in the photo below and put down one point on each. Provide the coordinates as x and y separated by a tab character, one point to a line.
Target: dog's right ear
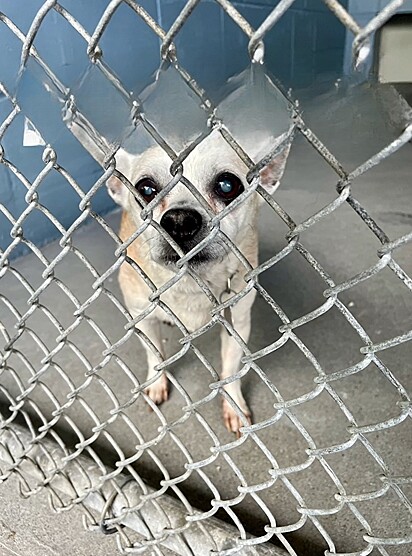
99	149
116	188
117	191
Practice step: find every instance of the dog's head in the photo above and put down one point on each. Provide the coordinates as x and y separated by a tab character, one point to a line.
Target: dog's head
218	175
216	172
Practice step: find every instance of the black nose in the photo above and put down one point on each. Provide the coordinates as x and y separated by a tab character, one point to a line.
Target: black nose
181	224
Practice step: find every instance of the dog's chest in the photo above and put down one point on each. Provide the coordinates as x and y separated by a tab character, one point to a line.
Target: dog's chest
189	304
183	300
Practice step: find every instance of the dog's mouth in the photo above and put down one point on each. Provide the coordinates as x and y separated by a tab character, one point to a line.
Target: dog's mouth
170	258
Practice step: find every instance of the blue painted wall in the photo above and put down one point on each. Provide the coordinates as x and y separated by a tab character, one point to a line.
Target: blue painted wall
306	45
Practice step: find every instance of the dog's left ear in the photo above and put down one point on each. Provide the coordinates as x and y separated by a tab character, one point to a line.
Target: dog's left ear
272	173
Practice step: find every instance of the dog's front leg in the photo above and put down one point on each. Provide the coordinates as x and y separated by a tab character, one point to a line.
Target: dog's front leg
158	390
231	355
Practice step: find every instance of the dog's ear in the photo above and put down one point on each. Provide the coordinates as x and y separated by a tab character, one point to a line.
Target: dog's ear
117	191
272	173
99	149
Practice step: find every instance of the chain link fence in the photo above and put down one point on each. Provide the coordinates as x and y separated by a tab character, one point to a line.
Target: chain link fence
74	414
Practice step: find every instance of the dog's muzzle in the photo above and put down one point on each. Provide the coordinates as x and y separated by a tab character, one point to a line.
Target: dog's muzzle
187	227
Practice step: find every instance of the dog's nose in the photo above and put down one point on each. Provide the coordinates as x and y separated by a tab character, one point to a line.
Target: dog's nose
181	224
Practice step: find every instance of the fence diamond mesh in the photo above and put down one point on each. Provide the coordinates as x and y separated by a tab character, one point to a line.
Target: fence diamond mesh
321	470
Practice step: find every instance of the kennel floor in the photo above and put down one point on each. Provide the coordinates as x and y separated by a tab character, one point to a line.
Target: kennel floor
344	246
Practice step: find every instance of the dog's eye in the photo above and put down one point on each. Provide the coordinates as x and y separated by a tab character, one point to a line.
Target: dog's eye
227	186
147	189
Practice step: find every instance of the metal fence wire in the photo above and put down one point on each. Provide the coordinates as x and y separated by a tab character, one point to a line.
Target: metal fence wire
53	434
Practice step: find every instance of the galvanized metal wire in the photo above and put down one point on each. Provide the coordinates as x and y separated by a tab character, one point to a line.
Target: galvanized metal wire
114	497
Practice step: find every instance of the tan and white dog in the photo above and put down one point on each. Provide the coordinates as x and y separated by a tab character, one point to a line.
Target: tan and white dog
219	175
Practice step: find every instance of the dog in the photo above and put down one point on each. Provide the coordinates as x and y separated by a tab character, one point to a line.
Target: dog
219	176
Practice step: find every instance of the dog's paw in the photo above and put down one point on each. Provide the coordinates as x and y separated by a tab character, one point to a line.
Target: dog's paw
158	392
232	420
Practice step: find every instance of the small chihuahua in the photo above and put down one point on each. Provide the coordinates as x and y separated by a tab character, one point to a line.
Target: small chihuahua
219	175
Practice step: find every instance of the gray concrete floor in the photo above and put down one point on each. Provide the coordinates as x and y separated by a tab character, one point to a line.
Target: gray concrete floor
27	528
353	130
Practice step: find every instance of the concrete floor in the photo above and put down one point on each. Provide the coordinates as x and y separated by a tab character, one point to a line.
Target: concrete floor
27	529
353	129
